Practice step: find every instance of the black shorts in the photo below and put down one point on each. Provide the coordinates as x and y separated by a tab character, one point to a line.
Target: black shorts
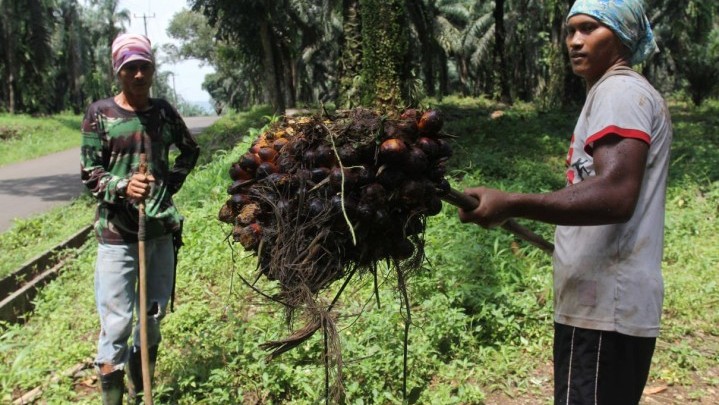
598	367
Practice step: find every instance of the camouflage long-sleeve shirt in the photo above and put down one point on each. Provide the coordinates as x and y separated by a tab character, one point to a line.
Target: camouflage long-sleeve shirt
112	140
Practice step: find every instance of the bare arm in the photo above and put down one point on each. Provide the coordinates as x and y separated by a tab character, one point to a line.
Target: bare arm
608	197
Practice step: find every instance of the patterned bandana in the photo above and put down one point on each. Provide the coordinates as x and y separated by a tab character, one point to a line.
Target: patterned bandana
129	47
627	19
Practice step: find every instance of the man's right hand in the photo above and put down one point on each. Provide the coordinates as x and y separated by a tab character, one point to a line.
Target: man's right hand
139	186
491	210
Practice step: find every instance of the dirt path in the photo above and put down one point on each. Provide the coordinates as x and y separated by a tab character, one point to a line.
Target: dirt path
702	391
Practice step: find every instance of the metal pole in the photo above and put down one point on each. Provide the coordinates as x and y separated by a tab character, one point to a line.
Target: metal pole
174	92
144	350
144	20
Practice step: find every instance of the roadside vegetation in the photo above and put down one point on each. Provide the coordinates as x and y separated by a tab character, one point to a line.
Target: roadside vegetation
481	306
23	137
28	238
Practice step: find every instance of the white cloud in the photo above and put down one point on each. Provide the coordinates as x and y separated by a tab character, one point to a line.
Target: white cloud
156	16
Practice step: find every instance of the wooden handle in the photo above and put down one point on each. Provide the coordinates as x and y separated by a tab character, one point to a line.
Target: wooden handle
142	287
469	203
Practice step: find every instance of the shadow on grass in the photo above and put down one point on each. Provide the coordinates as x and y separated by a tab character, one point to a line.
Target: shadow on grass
73	122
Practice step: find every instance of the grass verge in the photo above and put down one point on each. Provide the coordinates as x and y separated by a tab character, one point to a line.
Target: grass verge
23	137
481	306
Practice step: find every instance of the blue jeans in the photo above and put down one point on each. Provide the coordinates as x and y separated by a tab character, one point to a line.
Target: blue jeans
116	295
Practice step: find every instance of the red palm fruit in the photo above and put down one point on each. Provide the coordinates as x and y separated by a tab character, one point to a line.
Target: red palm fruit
438	171
237	186
238	200
412	193
226	214
417	161
428	146
433	206
445	149
248	214
393	151
350	178
315	207
279	143
374	195
265	169
364	176
391	178
248	236
319	174
408	130
258	144
348	155
249	161
309	157
267	154
236	172
430	123
325	156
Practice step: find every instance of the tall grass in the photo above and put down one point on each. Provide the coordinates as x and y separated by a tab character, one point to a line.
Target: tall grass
481	306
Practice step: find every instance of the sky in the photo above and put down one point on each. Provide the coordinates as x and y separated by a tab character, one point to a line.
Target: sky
188	74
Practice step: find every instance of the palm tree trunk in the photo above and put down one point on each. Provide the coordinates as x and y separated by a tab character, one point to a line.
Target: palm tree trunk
276	98
418	15
8	46
351	56
499	54
384	44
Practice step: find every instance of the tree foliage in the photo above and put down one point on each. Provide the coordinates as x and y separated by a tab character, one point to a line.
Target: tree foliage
54	54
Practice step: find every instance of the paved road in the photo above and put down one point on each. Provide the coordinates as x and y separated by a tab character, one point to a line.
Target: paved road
35	186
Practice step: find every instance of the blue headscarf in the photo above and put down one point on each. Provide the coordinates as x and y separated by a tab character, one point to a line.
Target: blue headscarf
627	19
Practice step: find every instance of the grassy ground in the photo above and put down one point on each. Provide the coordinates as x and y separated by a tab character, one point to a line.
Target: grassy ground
24	137
481	306
30	237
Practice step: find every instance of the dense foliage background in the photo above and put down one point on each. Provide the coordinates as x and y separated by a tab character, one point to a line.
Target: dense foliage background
55	53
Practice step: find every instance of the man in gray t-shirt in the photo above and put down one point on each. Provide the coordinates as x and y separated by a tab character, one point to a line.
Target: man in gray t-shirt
608	288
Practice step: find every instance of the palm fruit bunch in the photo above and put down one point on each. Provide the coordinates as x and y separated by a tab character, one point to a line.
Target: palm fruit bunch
320	198
314	196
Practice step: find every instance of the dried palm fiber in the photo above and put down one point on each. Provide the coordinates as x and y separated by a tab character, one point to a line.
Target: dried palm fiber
320	198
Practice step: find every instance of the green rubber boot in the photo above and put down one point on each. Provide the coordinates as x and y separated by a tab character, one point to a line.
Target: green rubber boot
134	366
113	387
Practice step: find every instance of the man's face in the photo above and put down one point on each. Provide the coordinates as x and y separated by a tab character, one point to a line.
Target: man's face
593	47
136	78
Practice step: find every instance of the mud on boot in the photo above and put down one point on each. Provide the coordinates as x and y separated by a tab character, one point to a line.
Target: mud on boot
113	387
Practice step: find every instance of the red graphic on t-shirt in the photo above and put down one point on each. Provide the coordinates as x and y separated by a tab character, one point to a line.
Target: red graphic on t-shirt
570	170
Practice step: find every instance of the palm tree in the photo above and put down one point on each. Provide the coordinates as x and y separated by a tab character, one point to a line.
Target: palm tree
25	35
438	27
384	53
103	22
69	63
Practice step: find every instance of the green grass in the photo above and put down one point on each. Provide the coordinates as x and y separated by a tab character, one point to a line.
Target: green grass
23	137
481	306
28	238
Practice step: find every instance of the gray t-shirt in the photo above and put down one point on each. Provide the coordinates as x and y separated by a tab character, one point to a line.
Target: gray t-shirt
608	277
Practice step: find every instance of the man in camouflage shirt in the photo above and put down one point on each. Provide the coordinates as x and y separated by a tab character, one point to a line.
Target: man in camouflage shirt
116	132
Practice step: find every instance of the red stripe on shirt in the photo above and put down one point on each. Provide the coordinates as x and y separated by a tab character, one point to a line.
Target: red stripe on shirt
619	131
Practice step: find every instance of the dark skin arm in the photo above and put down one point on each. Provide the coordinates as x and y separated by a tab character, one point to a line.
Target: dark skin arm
609	197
